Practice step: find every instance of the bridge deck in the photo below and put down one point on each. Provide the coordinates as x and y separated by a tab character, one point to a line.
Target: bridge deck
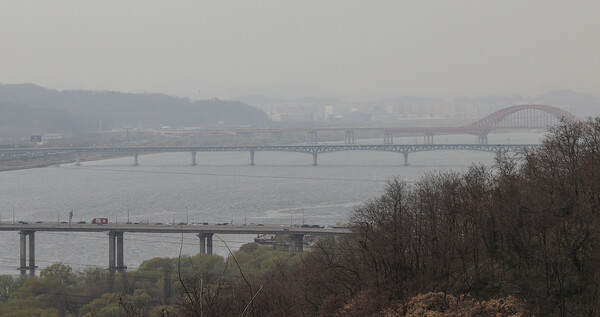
162	228
401	148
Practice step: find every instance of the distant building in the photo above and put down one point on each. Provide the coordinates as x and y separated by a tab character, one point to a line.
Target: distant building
328	112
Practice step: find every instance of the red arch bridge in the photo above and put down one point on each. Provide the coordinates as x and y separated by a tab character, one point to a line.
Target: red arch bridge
520	117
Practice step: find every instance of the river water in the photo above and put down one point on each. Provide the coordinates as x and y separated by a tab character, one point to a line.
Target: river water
283	188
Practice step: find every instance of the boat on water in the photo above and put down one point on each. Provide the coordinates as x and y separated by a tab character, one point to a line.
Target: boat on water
268	239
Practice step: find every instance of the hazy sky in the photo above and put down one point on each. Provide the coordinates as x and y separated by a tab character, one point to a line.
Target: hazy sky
443	48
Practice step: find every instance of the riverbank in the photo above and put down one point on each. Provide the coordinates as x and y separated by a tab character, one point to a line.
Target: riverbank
51	160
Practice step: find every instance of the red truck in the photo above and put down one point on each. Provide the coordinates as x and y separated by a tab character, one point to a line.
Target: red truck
100	221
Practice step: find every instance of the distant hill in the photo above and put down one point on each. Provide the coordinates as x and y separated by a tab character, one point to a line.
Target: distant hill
581	104
34	109
19	120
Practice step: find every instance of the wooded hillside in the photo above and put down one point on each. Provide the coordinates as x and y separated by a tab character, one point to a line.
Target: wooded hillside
30	109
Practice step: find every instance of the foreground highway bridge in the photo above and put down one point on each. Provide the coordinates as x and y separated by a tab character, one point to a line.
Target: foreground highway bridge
115	233
313	150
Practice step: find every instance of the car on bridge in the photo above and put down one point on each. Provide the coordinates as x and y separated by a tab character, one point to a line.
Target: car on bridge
100	221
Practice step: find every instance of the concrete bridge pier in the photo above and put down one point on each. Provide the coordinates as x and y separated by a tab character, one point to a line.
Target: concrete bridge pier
349	137
314	155
428	139
135	159
405	158
23	267
194	158
77	158
499	154
206	243
115	252
482	139
297	244
388	138
252	158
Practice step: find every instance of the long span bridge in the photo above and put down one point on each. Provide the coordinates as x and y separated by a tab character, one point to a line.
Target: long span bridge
314	150
116	231
520	117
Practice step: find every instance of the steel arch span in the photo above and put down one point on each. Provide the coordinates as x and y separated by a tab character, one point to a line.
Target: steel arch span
530	116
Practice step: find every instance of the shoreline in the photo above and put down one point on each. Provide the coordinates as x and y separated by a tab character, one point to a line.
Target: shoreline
50	160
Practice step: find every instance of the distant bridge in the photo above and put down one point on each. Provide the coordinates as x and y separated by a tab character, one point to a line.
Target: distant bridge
116	230
521	117
314	150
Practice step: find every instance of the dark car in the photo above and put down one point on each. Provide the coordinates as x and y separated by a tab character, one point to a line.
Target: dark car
81	222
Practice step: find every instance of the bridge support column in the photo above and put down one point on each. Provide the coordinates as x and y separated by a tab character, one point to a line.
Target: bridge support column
499	155
405	158
23	267
32	253
388	138
349	137
202	238
115	252
120	261
135	159
77	158
111	252
428	139
297	244
209	243
194	158
314	155
482	139
311	136
206	243
251	157
23	244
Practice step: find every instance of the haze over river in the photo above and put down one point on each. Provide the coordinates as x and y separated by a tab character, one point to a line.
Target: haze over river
282	188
